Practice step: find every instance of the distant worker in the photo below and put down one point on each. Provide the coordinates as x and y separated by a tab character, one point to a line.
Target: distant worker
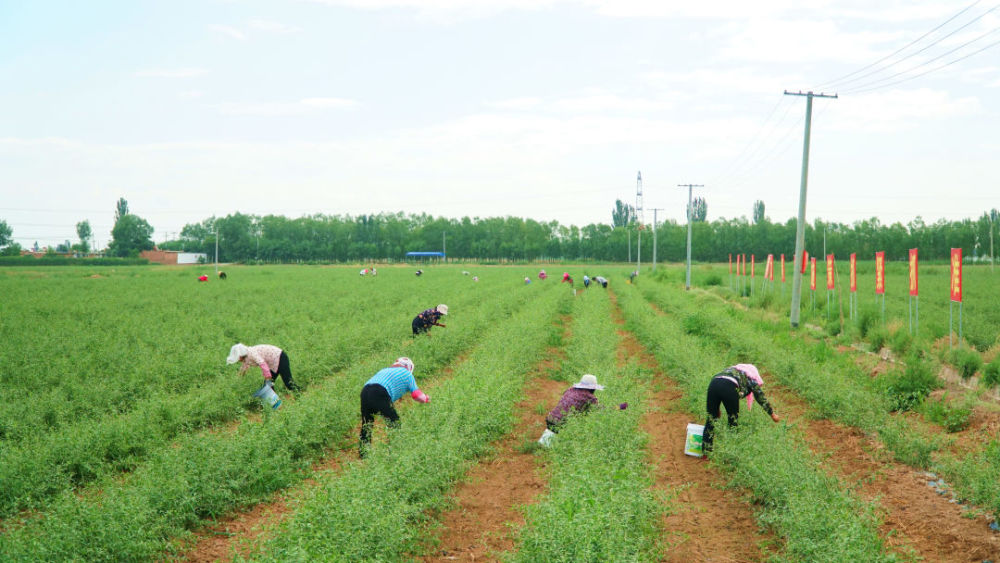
726	389
475	278
542	275
364	272
601	280
586	281
222	276
527	280
374	271
203	278
380	392
425	320
419	272
465	272
270	359
567	278
631	276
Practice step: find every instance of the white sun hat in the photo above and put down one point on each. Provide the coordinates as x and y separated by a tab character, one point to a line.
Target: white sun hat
236	352
588	381
443	309
405	362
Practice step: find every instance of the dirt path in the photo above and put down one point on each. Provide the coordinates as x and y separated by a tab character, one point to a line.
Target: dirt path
915	514
710	522
485	517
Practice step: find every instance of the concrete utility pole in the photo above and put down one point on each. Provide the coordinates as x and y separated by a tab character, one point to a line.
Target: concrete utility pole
638	215
687	279
655	209
216	250
800	229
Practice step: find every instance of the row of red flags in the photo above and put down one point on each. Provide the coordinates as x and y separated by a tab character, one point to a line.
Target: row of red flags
956	271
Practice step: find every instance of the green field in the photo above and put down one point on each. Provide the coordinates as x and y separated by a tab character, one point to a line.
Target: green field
124	434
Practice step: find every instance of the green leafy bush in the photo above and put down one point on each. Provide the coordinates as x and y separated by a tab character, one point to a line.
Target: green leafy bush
952	418
867	320
877	338
991	373
910	387
967	360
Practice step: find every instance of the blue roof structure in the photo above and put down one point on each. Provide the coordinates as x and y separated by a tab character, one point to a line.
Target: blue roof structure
440	254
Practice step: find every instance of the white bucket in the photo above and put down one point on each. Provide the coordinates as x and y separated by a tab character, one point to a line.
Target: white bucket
546	439
692	445
267	396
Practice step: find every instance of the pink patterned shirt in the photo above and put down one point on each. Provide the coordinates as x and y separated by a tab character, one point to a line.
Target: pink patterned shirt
264	356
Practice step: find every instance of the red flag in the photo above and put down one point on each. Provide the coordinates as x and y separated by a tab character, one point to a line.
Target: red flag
880	273
854	272
812	274
769	268
805	259
913	272
829	271
782	268
956	274
753	265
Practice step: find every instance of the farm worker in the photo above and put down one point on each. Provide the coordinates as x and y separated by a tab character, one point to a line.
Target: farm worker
425	320
381	391
419	272
726	388
579	398
542	275
567	278
631	277
364	272
374	271
271	360
601	280
202	277
475	278
527	279
586	281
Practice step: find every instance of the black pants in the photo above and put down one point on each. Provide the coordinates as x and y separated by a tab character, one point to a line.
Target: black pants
419	326
375	400
724	392
285	371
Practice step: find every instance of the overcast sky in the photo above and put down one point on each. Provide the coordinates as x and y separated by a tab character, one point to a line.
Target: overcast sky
535	108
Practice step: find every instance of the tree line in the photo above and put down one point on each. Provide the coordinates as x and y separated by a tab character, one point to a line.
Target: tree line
389	236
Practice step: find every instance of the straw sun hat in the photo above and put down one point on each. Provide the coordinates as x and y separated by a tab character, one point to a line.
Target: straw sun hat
588	381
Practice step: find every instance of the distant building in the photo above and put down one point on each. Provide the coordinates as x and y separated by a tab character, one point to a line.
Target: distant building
173	256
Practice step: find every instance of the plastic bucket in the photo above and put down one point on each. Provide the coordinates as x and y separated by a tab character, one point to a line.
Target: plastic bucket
267	396
546	439
692	445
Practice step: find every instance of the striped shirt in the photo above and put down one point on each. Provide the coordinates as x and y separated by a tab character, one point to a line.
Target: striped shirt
264	356
396	380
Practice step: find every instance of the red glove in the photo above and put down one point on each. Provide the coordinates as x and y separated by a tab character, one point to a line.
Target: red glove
420	396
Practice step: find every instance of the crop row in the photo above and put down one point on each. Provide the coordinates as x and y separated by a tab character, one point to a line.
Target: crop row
838	389
599	506
815	513
373	509
36	469
208	474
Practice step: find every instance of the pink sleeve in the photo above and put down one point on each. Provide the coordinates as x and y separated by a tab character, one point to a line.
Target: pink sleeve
266	371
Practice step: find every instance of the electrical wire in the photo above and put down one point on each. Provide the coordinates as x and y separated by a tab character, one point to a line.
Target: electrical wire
896	52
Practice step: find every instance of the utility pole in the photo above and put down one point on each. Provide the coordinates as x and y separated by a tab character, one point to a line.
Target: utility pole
800	229
687	278
216	227
444	245
638	214
655	209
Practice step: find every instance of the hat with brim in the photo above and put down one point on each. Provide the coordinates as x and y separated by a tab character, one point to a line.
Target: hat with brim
588	381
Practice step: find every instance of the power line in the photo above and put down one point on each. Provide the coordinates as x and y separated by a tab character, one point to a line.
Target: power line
949	63
911	43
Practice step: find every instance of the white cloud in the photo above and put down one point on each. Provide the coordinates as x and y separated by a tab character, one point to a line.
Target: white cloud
172	73
272	109
521	103
228	31
189	94
272	27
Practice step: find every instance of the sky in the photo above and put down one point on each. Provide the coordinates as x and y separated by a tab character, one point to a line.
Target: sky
543	109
